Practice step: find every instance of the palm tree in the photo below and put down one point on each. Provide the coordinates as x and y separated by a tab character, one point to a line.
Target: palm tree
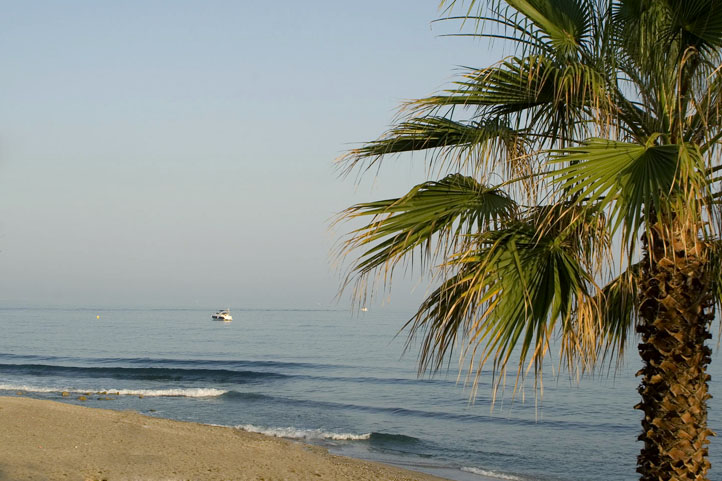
576	200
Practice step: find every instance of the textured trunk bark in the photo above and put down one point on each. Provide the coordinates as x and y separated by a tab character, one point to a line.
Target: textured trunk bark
676	308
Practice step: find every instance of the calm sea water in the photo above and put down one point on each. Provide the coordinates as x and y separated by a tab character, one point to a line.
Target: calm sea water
332	378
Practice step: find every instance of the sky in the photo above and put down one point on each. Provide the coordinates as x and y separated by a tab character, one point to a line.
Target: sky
181	153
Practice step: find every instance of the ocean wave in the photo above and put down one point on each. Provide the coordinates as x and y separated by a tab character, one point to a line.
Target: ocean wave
174	392
181	392
491	474
140	373
460	416
239	371
381	439
306	434
149	361
247	396
391	438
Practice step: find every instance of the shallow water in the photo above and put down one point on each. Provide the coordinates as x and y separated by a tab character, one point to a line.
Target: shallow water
331	378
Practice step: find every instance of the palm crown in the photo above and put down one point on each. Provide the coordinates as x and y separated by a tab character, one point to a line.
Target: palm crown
600	130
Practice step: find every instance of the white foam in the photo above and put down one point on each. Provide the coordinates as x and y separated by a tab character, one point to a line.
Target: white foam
308	434
17	387
491	474
188	392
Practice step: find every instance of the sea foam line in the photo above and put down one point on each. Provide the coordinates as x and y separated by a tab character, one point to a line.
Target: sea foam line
187	392
296	433
491	474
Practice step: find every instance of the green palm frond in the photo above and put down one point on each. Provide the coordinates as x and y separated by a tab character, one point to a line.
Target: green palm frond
511	86
700	21
509	294
617	308
642	30
565	22
703	125
584	227
519	83
447	210
557	99
631	180
463	141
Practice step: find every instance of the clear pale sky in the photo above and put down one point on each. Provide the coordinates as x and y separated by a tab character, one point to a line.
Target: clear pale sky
180	153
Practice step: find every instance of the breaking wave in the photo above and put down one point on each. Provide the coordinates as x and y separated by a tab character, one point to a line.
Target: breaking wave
141	373
491	474
306	434
175	392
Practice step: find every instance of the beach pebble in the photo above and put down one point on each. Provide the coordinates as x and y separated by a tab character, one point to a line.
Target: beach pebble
82	398
65	394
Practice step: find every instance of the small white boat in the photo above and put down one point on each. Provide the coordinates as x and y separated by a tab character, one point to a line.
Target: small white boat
223	315
364	309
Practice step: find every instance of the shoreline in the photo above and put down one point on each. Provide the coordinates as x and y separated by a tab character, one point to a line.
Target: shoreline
53	440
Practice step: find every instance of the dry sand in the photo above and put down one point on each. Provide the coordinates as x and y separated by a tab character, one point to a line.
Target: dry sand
46	440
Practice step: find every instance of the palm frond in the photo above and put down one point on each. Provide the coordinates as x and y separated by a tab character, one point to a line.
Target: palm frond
699	21
519	83
566	22
557	99
617	307
445	211
462	143
508	296
631	180
513	85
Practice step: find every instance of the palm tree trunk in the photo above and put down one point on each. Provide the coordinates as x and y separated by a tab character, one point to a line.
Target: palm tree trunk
676	307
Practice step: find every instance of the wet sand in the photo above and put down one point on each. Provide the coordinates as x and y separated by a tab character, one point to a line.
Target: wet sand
46	440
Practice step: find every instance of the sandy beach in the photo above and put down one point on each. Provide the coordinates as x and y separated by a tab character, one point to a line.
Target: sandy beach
46	440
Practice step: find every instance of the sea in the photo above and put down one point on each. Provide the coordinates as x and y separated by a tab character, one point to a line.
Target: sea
336	378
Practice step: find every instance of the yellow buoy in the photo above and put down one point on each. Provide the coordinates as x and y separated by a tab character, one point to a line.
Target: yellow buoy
97	317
